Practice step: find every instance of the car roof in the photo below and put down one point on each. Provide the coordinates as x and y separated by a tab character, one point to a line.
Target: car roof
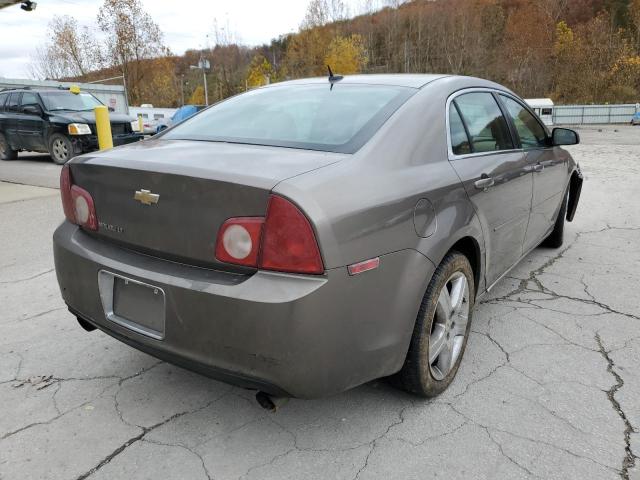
399	80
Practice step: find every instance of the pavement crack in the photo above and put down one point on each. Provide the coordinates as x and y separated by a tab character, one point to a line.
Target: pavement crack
41	314
180	445
508	457
139	437
27	278
629	460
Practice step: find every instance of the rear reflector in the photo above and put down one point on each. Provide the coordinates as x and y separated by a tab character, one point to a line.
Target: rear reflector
239	241
365	266
288	242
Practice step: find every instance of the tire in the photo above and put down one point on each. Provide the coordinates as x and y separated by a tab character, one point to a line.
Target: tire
428	378
60	148
556	237
6	152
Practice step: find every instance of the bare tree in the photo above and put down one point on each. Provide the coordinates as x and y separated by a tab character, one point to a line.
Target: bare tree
72	51
132	36
321	12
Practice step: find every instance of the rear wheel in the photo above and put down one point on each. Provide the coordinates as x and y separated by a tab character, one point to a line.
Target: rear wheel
60	148
556	237
6	152
441	329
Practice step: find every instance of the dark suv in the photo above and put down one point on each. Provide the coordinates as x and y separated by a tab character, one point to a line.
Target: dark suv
55	121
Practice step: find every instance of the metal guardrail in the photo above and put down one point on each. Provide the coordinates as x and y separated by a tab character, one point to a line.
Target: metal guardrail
593	114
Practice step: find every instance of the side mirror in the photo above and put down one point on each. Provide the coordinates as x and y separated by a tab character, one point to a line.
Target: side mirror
564	136
32	109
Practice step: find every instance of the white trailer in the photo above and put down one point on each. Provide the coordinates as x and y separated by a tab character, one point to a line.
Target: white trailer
543	108
151	116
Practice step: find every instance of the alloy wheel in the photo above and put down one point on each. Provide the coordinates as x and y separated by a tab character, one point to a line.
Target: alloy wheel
60	149
449	326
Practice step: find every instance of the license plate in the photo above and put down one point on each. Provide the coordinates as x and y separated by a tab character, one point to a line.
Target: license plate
135	305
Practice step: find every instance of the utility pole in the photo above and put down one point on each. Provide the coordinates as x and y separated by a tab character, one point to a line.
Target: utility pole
182	88
204	65
206	92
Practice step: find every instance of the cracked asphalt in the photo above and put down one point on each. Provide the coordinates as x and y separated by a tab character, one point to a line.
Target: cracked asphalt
549	386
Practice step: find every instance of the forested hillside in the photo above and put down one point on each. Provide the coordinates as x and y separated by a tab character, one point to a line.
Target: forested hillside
575	51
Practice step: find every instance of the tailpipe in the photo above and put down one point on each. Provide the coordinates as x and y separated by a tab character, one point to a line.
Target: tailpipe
269	402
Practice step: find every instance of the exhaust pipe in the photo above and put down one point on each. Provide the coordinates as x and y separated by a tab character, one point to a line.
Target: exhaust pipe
86	325
269	402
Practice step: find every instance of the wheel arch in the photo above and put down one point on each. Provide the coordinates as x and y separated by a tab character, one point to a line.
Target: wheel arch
470	248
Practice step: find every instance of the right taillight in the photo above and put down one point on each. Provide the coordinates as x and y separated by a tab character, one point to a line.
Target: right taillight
288	241
284	241
239	241
77	203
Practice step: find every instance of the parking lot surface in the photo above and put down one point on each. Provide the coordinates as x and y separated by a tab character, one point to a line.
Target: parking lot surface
548	387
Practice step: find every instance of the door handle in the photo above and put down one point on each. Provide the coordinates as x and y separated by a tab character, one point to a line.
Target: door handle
538	167
484	182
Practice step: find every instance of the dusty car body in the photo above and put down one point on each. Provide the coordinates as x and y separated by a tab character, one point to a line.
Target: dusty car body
405	215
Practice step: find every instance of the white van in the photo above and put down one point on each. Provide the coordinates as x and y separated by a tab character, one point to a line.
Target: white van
543	108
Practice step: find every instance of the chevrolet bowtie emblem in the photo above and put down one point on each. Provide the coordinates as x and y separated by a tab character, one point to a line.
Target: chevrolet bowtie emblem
145	197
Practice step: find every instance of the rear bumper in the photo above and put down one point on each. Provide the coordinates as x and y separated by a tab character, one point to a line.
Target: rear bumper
294	335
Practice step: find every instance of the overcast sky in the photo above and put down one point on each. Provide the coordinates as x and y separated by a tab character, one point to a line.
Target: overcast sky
185	24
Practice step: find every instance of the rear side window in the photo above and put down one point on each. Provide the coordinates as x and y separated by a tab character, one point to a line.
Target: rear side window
3	99
29	98
333	118
459	139
12	103
487	127
531	133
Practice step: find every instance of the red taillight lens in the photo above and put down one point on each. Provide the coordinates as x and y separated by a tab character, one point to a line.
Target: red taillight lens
239	241
65	193
284	241
288	241
77	203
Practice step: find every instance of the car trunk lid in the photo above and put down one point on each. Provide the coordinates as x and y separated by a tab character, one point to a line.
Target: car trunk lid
198	186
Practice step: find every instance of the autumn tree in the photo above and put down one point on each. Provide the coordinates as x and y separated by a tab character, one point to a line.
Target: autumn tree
346	55
260	72
132	36
197	97
306	52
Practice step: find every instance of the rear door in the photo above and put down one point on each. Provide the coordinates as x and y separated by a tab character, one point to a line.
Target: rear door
11	109
30	126
494	173
549	167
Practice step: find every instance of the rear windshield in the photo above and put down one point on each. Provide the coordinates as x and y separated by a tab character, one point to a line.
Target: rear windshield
65	100
315	117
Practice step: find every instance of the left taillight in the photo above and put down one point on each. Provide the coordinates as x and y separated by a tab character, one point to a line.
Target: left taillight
77	203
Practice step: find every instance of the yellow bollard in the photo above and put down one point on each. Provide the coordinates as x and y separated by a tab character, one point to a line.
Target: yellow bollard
103	127
140	123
